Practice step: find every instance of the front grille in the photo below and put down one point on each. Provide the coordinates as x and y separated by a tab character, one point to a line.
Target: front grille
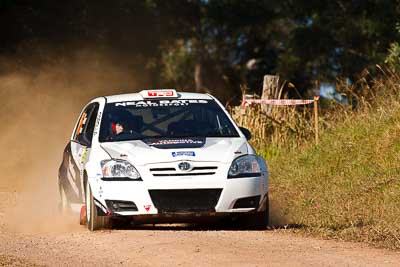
172	171
183	174
161	169
204	168
187	200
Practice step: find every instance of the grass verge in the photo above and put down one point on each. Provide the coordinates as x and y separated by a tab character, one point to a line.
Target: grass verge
347	187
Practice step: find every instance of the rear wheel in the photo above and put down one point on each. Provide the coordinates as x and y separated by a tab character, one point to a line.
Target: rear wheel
94	222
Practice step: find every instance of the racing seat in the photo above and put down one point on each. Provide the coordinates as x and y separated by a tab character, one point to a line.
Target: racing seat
189	128
134	124
181	128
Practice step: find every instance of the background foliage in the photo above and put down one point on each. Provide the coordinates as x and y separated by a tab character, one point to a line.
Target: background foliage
207	45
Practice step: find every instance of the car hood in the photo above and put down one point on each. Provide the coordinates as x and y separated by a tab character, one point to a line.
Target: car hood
213	150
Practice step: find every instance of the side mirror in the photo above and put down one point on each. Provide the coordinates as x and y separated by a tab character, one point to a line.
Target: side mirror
84	139
246	132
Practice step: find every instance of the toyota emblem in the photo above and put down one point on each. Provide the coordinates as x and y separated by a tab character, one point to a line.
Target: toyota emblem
184	166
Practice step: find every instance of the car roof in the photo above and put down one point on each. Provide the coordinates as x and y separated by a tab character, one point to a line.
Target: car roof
138	97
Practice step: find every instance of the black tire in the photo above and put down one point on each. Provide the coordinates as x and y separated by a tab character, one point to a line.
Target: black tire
94	222
263	220
258	220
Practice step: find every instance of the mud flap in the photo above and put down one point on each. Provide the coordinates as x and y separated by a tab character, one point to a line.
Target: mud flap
82	217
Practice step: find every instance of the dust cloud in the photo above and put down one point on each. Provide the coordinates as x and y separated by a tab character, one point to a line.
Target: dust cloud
38	110
39	107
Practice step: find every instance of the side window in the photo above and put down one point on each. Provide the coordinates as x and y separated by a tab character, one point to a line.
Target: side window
86	123
81	123
91	121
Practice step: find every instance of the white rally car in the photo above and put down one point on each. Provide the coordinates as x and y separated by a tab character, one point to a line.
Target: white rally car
159	156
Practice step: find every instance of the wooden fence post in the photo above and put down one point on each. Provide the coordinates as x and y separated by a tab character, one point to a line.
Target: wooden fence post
270	91
316	119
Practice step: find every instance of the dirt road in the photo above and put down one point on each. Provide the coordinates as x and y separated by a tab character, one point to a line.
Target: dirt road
39	112
34	233
60	241
172	247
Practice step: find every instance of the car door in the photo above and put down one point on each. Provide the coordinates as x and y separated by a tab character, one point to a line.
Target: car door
77	153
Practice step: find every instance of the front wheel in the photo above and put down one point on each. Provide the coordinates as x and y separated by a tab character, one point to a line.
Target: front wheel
258	220
263	217
94	222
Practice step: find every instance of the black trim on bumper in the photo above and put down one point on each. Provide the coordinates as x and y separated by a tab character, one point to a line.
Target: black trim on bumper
245	175
247	202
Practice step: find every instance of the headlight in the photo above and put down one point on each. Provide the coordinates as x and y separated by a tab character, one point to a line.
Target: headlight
115	169
245	166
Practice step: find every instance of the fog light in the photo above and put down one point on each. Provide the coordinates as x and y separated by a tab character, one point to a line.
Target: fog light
247	202
121	205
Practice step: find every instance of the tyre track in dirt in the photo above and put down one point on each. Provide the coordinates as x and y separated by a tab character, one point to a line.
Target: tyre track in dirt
183	246
47	238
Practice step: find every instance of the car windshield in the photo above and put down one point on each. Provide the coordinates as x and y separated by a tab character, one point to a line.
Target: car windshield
138	120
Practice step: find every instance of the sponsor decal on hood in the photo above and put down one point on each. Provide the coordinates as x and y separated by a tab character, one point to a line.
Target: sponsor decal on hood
192	142
183	153
214	149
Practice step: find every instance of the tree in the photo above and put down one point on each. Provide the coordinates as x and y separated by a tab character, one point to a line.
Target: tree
210	45
336	38
393	57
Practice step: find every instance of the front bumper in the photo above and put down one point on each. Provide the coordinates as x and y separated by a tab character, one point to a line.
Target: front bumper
204	190
176	195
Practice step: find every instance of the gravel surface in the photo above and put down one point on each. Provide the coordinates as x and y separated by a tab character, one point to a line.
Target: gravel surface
161	246
60	241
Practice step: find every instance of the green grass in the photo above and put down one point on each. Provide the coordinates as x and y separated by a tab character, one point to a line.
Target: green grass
347	187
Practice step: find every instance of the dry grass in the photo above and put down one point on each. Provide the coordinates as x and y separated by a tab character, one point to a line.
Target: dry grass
284	125
347	187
